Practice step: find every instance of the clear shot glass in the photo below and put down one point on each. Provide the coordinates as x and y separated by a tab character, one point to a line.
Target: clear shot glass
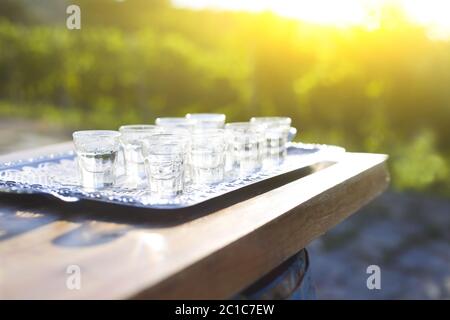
131	141
165	156
277	131
182	127
208	147
207	120
97	153
246	147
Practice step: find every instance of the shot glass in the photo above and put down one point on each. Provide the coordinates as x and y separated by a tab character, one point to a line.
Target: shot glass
246	147
183	127
164	158
131	141
208	147
277	131
207	120
97	152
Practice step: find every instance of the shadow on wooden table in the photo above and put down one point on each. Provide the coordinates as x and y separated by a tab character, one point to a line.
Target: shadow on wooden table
21	213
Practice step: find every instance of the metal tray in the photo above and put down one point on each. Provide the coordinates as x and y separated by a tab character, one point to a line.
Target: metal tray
56	175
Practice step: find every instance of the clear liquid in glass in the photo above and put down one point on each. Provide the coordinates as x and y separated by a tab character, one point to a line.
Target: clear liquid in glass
276	151
166	175
134	166
244	157
97	169
207	166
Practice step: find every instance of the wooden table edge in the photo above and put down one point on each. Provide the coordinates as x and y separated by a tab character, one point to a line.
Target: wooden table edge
194	283
280	238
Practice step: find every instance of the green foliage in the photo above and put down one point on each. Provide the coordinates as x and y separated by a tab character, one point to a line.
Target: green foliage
418	165
379	91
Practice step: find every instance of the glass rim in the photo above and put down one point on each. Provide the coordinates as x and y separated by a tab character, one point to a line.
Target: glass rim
165	144
206	116
173	119
163	137
207	132
276	119
96	133
172	131
238	124
137	127
243	124
244	127
158	148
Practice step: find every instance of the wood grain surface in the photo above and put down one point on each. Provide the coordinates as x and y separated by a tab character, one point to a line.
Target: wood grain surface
209	251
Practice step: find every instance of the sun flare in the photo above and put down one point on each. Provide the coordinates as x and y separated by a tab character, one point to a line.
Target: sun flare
342	13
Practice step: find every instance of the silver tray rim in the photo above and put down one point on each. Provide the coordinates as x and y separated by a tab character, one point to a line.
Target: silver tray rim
67	195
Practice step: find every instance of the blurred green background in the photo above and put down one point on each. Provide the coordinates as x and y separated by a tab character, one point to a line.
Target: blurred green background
378	85
377	90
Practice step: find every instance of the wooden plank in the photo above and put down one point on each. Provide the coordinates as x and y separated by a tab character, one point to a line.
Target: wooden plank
213	256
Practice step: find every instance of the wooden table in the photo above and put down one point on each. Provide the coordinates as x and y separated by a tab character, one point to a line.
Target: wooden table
209	252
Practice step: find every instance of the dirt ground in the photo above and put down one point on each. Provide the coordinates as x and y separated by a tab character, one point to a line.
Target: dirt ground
406	235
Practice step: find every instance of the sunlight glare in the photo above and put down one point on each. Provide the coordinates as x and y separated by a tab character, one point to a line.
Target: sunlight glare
435	14
432	14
